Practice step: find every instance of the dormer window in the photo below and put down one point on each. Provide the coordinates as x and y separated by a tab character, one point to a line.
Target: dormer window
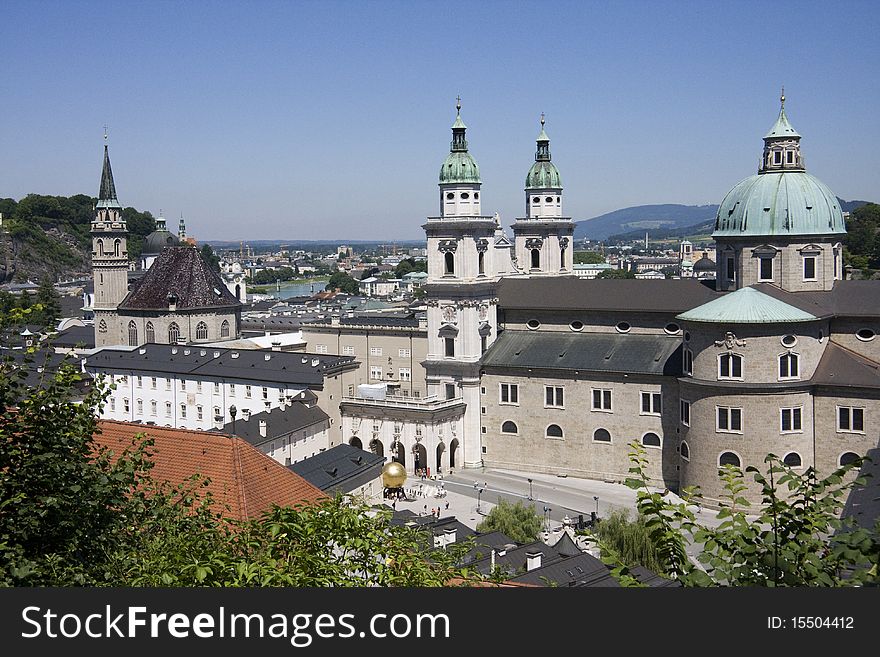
777	157
765	268
789	156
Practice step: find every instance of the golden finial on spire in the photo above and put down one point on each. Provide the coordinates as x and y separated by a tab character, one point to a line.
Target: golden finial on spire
458	104
542	119
782	96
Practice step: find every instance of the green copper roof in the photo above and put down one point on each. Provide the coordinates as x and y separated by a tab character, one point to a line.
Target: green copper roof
746	306
782	128
543	175
779	203
459	166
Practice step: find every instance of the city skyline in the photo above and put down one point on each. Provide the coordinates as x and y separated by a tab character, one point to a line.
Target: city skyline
330	121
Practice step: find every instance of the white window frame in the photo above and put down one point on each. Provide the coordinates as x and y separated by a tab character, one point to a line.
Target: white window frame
787	355
348	350
183	411
376	372
248	392
168	409
791	413
655	399
849	429
656	433
687	364
511	388
404	353
405	374
727	410
553	424
761	260
601	408
684	404
508	433
731	355
375	351
815	260
557	393
320	349
154	408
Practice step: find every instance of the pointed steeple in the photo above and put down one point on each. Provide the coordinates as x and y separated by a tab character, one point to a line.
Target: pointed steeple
782	129
459	143
543	174
542	154
782	147
107	191
459	166
181	228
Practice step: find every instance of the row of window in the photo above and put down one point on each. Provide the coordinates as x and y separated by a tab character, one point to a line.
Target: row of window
248	389
554	397
765	268
730	419
730	365
173	332
404	373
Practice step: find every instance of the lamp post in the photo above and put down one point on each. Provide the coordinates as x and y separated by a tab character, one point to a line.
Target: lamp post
530	489
479	490
232	411
547	511
596	500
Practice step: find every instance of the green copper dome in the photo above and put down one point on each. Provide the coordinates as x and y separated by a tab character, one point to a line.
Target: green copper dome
459	166
543	173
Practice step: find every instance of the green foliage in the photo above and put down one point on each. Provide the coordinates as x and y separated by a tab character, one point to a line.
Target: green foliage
410	265
342	281
629	539
861	241
210	257
518	521
616	273
50	303
139	225
588	258
795	538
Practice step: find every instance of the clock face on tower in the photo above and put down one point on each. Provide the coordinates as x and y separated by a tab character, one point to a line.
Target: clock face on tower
484	312
448	314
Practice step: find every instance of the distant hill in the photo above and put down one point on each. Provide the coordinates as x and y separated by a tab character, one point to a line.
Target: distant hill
660	221
643	218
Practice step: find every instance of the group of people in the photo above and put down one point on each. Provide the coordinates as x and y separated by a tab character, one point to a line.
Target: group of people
435	511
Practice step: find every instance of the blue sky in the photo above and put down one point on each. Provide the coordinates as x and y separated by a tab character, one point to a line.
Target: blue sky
329	120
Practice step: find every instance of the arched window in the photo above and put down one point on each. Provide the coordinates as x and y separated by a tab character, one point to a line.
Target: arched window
102	326
848	457
554	431
601	436
224	329
100	247
449	259
684	451
201	331
536	259
792	460
729	458
173	333
730	366
151	332
117	247
509	427
238	291
132	334
481	262
651	440
562	258
789	366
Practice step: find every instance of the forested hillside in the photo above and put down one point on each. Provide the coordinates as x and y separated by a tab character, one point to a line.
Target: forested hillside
49	236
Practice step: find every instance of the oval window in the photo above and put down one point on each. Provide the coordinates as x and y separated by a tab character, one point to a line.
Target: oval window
865	334
549	199
450	196
576	326
623	327
533	324
476	194
558	199
465	195
788	340
672	328
687	336
536	199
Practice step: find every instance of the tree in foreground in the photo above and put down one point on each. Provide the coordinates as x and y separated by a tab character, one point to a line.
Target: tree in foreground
629	539
518	521
795	537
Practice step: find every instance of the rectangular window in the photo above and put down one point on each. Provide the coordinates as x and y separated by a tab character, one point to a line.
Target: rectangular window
167	409
730	366
247	392
140	382
685	413
183	411
601	399
405	374
790	420
449	346
265	393
153	382
765	269
788	366
232	390
850	418
651	403
688	364
375	351
509	393
112	403
404	353
729	419
154	408
809	268
348	350
553	397
217	413
375	372
200	414
198	386
183	384
125	406
216	388
321	348
140	406
450	391
777	157
167	384
730	263
789	156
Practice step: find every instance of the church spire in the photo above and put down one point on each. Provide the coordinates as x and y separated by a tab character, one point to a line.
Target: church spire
107	192
459	143
782	148
542	154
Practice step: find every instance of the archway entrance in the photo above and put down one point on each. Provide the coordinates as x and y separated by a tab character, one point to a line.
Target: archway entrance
453	448
439	465
399	453
420	457
377	447
356	442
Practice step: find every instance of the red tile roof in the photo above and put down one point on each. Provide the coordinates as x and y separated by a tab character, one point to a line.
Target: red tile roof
241	476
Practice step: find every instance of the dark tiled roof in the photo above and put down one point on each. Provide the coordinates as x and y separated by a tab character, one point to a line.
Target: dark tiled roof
180	272
846	299
75	336
244	482
279	422
581	570
666	296
516	560
841	367
653	580
340	469
591	352
366	320
292	368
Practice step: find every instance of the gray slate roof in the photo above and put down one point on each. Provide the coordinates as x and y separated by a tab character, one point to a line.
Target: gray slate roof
845	299
181	272
280	422
666	296
841	367
290	368
581	570
76	336
340	469
591	352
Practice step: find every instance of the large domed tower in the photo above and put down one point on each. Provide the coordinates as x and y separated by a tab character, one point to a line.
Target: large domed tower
781	225
543	237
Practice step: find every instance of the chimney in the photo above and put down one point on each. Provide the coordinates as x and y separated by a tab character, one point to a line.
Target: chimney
245	414
492	562
263	434
276	346
533	560
449	535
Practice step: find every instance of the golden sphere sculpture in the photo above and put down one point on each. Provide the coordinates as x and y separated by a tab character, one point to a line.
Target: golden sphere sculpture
393	475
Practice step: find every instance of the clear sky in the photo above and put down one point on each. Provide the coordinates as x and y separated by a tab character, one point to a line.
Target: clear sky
329	120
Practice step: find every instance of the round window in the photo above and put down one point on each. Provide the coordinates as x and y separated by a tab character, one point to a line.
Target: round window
672	328
576	326
533	324
549	199
476	194
865	334
536	199
623	327
788	340
450	196
465	195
